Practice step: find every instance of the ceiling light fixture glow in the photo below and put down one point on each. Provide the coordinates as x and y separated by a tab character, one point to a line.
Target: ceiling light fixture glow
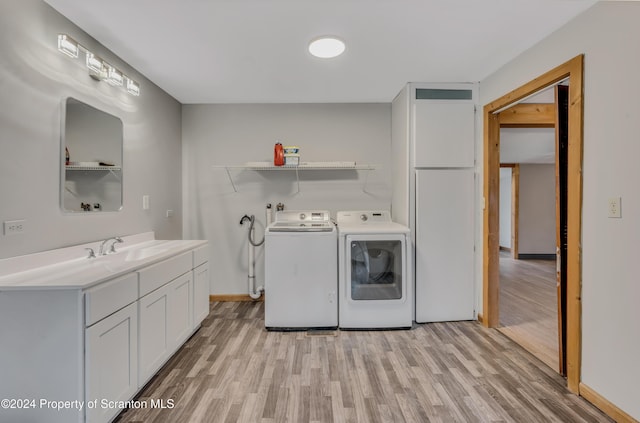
326	47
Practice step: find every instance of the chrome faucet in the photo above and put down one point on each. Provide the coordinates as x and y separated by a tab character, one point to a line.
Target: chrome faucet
115	239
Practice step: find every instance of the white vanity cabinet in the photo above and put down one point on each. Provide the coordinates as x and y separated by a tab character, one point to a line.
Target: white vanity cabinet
111	362
165	312
111	344
165	323
200	284
81	331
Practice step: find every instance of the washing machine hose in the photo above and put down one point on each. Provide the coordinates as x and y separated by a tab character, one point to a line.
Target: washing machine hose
254	293
251	233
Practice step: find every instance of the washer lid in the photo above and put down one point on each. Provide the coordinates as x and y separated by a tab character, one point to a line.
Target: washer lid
302	221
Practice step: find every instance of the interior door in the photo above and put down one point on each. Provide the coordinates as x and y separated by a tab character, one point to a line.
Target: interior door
562	147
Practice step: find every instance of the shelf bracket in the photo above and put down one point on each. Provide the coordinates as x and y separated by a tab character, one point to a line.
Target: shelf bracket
71	192
366	180
115	175
231	179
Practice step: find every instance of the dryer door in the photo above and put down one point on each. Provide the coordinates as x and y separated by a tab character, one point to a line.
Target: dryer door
376	268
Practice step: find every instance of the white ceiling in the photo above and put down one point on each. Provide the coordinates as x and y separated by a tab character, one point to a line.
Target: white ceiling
255	51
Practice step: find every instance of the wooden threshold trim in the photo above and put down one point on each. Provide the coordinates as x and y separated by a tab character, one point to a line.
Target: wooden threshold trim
605	405
232	297
529	115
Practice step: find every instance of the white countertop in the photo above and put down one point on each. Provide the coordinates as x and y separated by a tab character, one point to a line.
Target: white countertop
56	269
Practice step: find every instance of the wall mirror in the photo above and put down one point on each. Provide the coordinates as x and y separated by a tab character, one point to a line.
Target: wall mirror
91	156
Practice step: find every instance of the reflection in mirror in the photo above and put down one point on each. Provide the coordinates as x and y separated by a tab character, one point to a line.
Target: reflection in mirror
91	159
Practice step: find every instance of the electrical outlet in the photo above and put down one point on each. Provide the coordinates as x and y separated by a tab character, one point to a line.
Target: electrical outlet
12	227
614	207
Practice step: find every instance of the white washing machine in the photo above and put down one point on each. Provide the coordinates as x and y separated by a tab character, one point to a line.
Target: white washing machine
374	280
301	271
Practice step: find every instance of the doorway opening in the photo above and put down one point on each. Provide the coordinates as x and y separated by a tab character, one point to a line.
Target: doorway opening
533	162
573	70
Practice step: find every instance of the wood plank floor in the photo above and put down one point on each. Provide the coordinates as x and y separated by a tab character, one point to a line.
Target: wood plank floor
233	370
529	306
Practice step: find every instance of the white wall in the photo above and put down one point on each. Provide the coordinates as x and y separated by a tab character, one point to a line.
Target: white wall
505	207
537	209
527	145
235	134
34	78
610	288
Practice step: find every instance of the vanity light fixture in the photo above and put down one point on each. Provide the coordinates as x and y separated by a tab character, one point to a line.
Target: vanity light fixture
326	47
132	87
68	46
98	68
95	64
114	77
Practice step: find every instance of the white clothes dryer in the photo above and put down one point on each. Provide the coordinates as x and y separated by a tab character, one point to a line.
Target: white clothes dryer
301	271
374	279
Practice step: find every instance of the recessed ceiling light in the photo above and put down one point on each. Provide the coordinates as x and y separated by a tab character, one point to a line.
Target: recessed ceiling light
326	47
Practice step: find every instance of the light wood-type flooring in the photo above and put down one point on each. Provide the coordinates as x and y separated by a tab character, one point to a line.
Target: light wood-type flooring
233	370
529	306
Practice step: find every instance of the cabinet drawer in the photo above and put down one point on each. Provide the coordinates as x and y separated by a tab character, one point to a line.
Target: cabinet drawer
200	256
153	277
109	297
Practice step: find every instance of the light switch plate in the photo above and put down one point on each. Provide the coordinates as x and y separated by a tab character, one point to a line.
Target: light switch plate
145	202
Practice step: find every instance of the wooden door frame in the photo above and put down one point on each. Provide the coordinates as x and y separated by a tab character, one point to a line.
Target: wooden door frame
572	69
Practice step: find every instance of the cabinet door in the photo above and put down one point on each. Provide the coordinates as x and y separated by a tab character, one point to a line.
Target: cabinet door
111	361
200	294
444	245
443	133
154	338
180	311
